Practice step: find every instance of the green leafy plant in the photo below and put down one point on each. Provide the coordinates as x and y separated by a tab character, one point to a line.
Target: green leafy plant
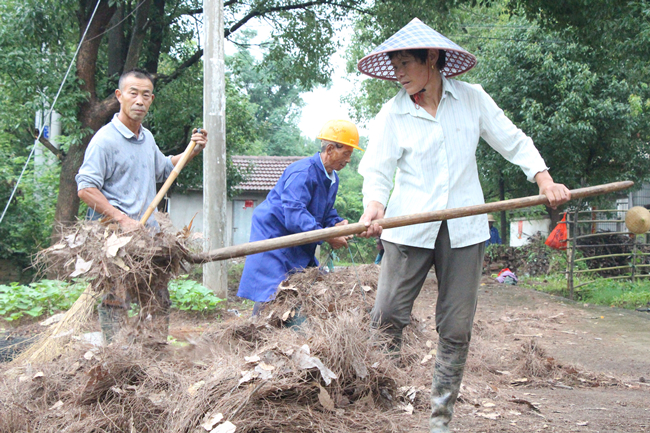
37	299
188	295
632	299
47	297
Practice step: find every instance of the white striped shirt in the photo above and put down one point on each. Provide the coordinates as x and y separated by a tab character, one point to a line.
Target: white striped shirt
435	160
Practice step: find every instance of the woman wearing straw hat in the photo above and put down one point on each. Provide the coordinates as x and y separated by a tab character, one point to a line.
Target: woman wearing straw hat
425	138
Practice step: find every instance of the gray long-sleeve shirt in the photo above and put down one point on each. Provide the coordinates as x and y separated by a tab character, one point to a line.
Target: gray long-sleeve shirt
124	167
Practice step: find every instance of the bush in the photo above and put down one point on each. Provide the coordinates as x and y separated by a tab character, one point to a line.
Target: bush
36	299
188	295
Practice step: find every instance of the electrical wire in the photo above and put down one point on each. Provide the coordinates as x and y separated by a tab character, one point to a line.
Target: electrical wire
116	24
49	114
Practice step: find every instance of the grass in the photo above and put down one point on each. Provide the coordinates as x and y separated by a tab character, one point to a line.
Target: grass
613	293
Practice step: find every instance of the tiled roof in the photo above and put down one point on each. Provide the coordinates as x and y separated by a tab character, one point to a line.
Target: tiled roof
266	170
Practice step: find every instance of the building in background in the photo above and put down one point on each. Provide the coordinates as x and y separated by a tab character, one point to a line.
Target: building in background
262	173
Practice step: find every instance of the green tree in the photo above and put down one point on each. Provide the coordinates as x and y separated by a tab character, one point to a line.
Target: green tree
275	96
587	114
38	37
589	123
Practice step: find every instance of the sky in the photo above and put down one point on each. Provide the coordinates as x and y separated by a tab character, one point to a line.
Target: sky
322	104
325	104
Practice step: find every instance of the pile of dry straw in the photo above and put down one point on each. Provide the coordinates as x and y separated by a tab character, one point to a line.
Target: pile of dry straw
134	265
309	363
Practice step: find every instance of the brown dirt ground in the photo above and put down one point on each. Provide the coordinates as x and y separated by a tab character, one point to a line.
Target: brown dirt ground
610	344
600	359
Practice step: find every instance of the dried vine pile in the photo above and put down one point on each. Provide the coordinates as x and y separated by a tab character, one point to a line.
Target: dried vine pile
310	362
105	256
133	265
327	373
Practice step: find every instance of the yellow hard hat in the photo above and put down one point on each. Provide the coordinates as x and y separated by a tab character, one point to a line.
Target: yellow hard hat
340	131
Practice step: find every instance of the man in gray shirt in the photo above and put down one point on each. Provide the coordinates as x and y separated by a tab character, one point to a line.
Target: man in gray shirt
122	163
118	178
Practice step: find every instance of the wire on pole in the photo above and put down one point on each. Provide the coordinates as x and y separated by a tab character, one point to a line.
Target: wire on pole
49	114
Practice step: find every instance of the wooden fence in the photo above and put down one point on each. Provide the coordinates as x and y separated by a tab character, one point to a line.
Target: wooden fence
600	236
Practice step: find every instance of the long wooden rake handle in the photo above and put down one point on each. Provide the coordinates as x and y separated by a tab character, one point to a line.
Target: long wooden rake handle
168	183
401	221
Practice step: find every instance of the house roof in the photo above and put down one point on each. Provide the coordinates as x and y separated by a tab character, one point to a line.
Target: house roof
265	170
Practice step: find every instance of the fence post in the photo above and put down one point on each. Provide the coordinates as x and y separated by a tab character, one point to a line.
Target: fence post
634	256
570	249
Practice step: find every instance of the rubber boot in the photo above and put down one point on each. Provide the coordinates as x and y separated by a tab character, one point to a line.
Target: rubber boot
110	320
154	326
447	376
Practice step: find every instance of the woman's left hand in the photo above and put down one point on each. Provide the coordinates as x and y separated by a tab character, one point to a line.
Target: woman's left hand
556	193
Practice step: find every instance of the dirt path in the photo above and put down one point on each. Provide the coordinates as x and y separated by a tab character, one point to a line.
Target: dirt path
598	359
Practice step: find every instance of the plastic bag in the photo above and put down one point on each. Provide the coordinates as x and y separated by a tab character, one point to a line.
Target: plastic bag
557	238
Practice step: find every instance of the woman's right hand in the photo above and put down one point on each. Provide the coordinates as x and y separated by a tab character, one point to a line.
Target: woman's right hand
374	211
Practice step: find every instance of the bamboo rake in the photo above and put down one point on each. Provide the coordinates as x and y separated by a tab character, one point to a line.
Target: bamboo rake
168	183
401	221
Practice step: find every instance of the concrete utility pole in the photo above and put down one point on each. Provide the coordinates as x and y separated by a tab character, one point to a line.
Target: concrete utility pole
215	275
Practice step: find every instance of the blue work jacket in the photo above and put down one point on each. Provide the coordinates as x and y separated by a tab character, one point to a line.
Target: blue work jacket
302	200
494	237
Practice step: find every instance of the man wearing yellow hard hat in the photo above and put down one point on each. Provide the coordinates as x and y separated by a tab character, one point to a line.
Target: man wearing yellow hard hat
302	200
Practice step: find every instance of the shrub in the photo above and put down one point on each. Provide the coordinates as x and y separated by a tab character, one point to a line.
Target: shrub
188	295
35	299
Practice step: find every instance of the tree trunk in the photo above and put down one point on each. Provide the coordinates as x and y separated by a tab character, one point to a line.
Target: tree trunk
555	215
137	37
92	113
158	25
116	49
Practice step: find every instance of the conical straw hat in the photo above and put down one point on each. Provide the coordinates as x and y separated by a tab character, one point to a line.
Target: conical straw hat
416	35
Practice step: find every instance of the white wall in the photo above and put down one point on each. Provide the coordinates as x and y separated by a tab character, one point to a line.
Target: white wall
183	207
522	229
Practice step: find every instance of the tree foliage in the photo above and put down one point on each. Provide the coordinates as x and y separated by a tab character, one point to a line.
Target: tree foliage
38	39
588	121
575	82
274	97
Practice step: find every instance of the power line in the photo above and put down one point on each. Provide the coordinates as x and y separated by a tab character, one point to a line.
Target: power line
116	24
40	132
529	41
